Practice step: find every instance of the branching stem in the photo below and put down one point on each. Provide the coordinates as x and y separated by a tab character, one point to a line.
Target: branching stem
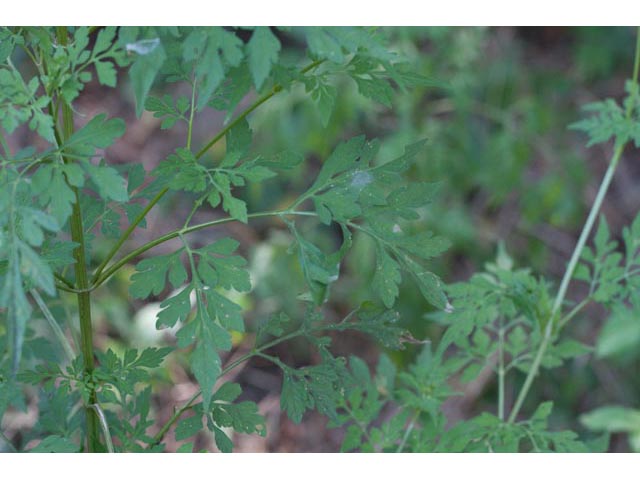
552	322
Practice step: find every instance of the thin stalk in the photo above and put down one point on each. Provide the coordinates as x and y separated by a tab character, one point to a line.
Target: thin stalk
574	311
63	280
127	233
82	279
577	252
551	323
105	427
501	372
57	331
408	431
191	114
183	231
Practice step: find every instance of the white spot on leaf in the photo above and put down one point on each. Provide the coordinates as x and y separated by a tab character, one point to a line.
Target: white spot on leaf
143	47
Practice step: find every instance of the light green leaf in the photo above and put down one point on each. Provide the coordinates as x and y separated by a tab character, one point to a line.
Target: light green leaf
150	58
106	73
620	334
612	419
263	49
97	133
111	186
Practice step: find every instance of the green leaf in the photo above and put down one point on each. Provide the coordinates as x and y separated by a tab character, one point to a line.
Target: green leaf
620	334
324	43
206	366
324	95
217	267
224	443
273	325
228	392
35	269
55	444
263	49
377	89
188	427
352	439
612	419
608	122
33	223
243	417
211	50
151	273
146	66
51	188
228	313
380	323
97	133
111	186
429	284
106	73
294	399
185	448
318	269
13	298
164	106
151	357
386	277
174	309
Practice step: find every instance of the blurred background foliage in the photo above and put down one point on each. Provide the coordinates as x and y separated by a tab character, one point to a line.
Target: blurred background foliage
509	171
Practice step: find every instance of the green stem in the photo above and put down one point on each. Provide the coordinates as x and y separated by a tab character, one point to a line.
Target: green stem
82	282
501	372
577	252
574	311
183	231
410	428
63	280
105	427
191	114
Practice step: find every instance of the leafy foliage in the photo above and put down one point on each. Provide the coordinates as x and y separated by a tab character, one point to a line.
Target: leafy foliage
66	207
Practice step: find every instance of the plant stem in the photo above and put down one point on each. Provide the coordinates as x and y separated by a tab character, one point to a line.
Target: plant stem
577	252
82	282
191	114
183	231
551	323
408	431
59	334
501	371
127	233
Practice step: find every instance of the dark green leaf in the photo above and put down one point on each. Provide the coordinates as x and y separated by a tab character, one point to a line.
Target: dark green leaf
188	427
206	366
55	444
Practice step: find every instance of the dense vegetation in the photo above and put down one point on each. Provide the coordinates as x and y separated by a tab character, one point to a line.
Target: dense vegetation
388	234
